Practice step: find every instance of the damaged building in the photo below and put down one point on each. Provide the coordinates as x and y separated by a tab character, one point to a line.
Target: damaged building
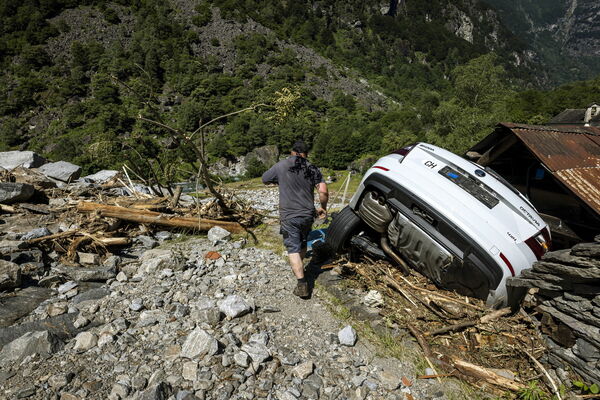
556	166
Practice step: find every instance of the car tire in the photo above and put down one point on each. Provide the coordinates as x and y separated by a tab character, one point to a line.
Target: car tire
342	227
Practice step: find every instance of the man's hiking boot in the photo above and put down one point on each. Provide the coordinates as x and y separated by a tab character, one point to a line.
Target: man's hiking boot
301	290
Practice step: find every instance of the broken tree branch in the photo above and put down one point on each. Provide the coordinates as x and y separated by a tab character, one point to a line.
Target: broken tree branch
545	373
155	218
467	324
485	374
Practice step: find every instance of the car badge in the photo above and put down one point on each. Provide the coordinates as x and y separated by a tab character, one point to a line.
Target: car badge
479	173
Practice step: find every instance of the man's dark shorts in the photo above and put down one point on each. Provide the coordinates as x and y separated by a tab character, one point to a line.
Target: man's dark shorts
295	233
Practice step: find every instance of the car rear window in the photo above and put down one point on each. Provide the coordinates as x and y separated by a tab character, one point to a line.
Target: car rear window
483	193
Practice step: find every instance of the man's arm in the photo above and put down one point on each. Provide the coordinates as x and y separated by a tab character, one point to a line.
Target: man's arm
323	199
270	176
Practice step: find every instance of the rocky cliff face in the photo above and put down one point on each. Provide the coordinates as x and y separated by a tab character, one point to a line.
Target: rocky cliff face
566	33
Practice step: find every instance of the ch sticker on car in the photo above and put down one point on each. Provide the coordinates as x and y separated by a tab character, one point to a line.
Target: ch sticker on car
430	164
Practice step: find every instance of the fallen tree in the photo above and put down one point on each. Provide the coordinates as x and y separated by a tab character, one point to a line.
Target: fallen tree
155	218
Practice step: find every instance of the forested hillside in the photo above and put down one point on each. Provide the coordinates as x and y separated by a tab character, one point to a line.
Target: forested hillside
352	78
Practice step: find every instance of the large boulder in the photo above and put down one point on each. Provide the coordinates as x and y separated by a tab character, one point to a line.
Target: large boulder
267	155
11	192
61	170
101	176
27	159
38	342
10	275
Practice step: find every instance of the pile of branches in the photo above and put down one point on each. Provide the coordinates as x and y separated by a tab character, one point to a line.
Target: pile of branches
459	336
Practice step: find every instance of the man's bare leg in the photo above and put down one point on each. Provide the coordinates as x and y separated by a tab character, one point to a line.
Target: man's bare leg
297	264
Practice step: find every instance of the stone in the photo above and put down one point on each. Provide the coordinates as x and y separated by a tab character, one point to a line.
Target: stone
58	381
373	299
38	342
119	391
25	159
101	176
121	277
198	344
61	170
36	233
234	306
217	233
85	341
241	359
189	370
58	308
80	322
304	369
105	339
347	336
159	391
86	274
258	352
65	287
24	393
88	258
10	275
146	241
389	379
11	192
136	305
91	294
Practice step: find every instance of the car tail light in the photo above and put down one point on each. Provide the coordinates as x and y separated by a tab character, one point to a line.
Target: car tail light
381	168
508	264
404	151
539	243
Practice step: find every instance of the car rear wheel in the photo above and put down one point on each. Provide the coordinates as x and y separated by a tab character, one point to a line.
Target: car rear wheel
341	229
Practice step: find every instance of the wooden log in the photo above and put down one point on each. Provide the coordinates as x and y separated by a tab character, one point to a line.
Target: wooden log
487	375
176	196
115	241
53	236
467	324
7	209
154	218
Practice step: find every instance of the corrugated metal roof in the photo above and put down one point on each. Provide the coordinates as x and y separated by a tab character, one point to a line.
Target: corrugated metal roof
571	153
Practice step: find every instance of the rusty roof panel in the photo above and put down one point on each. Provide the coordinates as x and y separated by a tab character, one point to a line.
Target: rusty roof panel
584	182
571	153
559	150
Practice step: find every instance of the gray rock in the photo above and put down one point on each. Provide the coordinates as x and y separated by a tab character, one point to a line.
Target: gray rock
65	287
373	299
11	192
347	336
160	391
85	341
39	342
92	294
136	305
234	306
85	274
61	326
59	381
146	241
102	176
25	159
212	316
258	352
198	344
20	304
217	233
241	359
303	370
10	275
390	379
61	170
88	258
24	393
36	233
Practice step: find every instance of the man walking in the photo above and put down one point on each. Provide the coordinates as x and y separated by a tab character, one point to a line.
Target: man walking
297	179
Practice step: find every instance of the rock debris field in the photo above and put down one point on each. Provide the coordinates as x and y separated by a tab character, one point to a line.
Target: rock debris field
196	320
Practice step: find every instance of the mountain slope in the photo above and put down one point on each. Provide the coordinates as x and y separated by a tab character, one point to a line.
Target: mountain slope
565	33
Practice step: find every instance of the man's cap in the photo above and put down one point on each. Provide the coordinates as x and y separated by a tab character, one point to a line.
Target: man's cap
300	147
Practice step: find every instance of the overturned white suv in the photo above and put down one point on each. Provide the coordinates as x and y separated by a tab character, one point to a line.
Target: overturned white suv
454	221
